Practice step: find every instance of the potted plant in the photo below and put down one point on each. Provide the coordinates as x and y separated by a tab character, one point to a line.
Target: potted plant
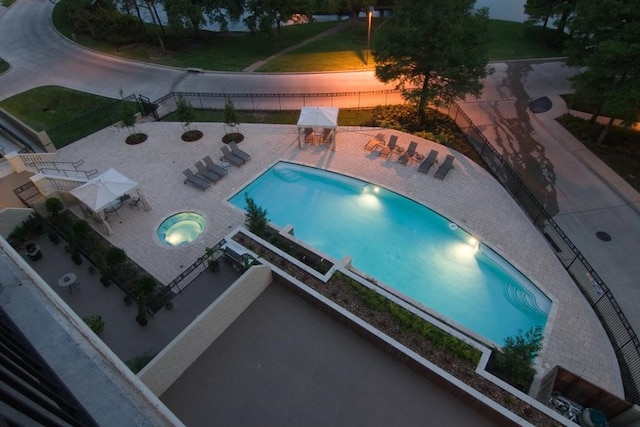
33	251
54	206
95	323
143	291
212	257
113	258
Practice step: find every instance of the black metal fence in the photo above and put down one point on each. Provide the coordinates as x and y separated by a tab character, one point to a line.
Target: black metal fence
285	101
93	121
180	283
624	340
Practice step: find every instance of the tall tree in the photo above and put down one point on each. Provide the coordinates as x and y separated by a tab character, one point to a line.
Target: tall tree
434	50
544	10
605	43
265	15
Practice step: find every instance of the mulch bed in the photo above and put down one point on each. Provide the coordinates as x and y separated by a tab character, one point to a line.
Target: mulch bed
192	135
233	137
136	138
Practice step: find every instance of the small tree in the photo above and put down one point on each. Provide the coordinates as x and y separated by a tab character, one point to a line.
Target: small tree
256	220
515	363
185	113
231	118
53	206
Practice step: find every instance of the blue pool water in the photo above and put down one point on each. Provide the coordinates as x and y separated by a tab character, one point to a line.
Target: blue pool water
407	246
181	229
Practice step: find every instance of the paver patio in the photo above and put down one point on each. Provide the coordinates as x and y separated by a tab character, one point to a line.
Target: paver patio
468	196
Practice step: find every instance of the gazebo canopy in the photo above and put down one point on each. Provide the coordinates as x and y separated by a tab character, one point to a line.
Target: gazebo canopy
318	117
314	118
97	193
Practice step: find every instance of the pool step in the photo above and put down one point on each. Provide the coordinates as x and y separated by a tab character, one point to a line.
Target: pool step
521	298
287	174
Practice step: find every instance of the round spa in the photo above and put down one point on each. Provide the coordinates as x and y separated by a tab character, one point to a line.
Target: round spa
181	229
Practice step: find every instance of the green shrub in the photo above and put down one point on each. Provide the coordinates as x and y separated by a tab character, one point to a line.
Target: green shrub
95	323
514	364
53	206
137	363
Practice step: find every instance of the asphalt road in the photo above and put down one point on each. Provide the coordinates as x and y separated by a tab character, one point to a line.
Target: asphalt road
40	56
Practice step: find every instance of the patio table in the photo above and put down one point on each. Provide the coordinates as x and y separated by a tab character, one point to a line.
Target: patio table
68	281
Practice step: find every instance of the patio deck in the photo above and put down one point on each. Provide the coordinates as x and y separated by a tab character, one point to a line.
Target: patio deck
468	196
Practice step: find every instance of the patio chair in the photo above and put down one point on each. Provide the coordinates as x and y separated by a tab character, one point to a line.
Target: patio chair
445	167
308	135
209	175
428	161
230	157
390	147
326	135
238	152
408	155
374	142
135	202
215	168
194	180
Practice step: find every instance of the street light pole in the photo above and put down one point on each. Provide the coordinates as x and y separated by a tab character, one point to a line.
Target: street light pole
369	13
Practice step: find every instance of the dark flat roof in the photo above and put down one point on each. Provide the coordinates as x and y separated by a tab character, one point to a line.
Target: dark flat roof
283	362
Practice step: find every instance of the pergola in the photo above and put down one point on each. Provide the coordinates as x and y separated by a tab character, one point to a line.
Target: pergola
318	124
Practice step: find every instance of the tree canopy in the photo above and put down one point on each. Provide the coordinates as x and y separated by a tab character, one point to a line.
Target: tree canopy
543	10
433	51
606	44
265	15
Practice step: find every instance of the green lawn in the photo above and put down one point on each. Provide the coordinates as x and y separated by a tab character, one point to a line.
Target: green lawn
4	65
513	40
47	107
7	3
212	51
344	50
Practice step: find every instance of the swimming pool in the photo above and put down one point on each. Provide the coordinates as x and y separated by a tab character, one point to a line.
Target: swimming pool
403	244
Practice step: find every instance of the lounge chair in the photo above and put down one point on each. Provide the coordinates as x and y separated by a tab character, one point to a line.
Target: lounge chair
408	155
208	174
195	180
238	152
428	161
213	167
374	142
230	157
445	167
390	147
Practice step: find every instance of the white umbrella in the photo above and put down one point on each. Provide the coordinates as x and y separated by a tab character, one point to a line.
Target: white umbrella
103	189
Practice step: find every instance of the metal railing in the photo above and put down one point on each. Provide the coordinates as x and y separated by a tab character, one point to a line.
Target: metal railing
623	338
91	122
180	283
285	101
